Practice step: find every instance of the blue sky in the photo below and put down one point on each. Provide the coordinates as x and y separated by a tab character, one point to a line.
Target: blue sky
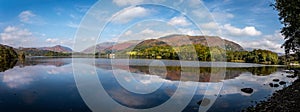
36	23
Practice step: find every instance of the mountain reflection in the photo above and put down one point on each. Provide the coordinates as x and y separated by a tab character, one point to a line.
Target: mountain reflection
173	73
6	65
205	73
49	83
58	62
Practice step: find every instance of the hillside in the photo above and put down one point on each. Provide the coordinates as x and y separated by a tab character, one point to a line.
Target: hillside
179	40
123	45
175	40
7	53
57	48
99	47
56	51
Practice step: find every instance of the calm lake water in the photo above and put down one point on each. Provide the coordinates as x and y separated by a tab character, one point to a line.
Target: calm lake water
49	85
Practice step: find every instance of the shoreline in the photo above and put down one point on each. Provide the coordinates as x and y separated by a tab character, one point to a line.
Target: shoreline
287	99
215	63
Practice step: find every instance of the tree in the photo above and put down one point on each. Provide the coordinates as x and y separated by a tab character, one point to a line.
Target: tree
289	15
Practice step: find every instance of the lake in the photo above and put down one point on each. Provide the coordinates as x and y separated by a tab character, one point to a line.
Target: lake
86	84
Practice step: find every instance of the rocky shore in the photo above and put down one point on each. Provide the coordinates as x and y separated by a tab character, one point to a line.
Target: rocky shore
286	100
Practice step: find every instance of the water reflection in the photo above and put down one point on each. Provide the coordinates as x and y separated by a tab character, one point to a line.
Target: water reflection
174	72
37	85
40	84
5	65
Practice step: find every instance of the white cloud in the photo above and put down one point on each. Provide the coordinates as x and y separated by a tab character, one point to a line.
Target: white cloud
209	25
25	16
149	34
180	21
15	36
19	37
277	36
14	33
72	25
10	29
147	31
130	13
187	31
128	32
247	31
263	44
51	40
269	42
57	41
201	14
144	34
195	3
127	2
30	18
222	15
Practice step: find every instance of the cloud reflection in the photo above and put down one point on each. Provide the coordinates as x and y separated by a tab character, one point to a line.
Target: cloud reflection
24	76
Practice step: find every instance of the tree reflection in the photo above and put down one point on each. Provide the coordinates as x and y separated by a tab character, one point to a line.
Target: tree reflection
206	74
263	71
7	64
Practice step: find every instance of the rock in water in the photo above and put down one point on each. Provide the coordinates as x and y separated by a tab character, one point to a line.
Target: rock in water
271	85
276	80
291	76
247	90
282	82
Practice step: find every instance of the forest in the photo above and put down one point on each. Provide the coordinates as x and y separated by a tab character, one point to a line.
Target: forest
38	52
201	53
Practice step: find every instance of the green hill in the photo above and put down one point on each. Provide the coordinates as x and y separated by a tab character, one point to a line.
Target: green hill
8	57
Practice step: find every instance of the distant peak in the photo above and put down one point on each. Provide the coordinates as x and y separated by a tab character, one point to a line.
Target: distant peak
57	48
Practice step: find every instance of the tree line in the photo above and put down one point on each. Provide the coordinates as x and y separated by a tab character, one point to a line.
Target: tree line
202	53
8	57
255	56
38	52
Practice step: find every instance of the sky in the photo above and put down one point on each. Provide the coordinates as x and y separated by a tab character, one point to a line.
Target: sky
79	24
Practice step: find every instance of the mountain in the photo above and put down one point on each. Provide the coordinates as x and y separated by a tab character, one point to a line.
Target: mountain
175	40
57	48
99	47
179	40
108	46
123	45
40	52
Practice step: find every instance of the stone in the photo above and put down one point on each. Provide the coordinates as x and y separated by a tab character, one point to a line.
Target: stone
282	82
276	80
291	76
271	84
247	90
